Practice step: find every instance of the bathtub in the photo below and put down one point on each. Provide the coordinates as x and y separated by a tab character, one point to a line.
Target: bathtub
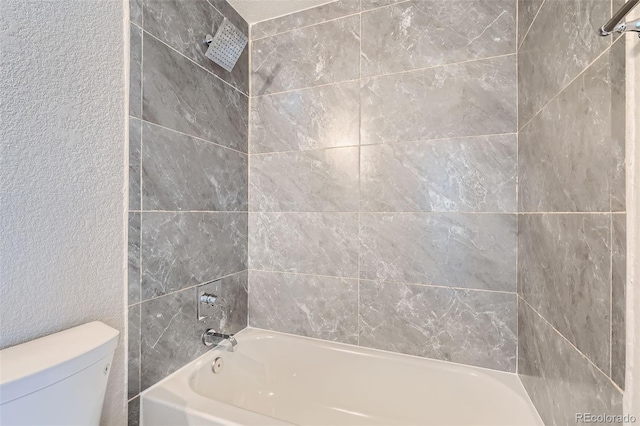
280	379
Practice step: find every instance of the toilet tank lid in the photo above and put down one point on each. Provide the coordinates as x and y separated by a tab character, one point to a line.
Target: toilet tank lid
33	365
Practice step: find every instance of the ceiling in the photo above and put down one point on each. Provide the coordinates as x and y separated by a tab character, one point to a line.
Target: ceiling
262	10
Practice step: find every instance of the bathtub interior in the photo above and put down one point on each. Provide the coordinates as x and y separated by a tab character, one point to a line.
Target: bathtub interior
300	380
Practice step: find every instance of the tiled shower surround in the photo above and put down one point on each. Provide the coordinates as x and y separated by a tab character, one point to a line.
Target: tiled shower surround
441	178
382	181
188	186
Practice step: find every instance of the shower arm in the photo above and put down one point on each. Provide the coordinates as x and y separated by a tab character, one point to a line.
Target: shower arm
613	24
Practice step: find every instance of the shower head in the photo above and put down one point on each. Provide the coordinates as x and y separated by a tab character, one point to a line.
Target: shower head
226	46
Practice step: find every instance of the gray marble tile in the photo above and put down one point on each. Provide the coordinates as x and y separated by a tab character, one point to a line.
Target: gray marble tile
133	412
418	34
183	173
180	250
476	98
135	138
309	243
476	174
618	298
135	12
447	249
183	25
315	15
306	305
527	10
566	163
133	256
230	13
320	117
306	57
617	60
558	379
465	326
232	306
323	180
170	335
544	66
133	351
564	267
135	71
372	4
180	95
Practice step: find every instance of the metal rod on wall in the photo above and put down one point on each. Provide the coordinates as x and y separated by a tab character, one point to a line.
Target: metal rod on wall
612	24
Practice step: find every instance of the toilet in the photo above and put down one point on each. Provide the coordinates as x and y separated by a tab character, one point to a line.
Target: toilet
58	379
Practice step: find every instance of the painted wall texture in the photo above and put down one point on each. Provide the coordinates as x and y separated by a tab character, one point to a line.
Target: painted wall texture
62	202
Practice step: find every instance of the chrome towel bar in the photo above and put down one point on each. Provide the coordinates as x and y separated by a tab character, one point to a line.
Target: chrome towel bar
613	24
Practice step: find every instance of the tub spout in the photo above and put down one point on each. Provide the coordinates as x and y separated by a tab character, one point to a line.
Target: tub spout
210	333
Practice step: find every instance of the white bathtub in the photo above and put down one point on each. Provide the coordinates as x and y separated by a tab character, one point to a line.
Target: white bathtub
279	379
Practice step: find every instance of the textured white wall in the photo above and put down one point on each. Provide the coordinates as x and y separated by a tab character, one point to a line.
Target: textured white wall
62	172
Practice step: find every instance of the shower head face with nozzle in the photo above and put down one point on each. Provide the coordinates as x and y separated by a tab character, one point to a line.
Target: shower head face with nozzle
226	46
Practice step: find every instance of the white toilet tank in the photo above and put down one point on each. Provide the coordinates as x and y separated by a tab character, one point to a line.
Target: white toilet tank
58	379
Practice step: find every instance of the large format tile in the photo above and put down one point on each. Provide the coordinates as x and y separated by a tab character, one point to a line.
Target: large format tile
133	256
135	12
231	14
309	243
320	117
135	71
617	60
183	25
133	351
476	98
170	335
183	173
315	15
180	250
372	4
133	412
180	95
559	380
567	163
618	298
465	175
320	307
417	34
465	326
324	180
233	304
562	41
310	56
527	10
564	272
449	249
135	139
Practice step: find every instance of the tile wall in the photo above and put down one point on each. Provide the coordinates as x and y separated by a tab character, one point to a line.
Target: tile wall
382	181
188	192
571	199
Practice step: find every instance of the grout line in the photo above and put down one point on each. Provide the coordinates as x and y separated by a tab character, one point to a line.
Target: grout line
517	88
348	15
454	138
192	286
488	58
359	171
530	25
195	63
193	137
189	211
387	281
423	212
604	52
572	345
